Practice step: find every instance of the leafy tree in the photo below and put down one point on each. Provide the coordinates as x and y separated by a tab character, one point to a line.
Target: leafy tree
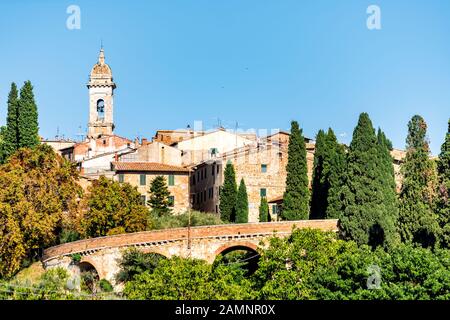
189	279
159	197
27	120
135	262
417	221
296	197
310	264
38	194
182	220
368	216
263	210
113	208
228	194
242	204
443	203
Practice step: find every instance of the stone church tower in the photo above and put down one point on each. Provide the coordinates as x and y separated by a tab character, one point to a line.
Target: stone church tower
101	93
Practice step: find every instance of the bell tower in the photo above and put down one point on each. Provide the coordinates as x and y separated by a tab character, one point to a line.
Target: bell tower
101	97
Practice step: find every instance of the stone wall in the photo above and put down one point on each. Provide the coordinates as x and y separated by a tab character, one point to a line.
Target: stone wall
180	190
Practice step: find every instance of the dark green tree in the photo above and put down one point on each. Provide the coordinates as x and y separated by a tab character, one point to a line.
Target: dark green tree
27	121
319	191
336	177
11	133
368	216
242	204
159	197
417	221
228	195
443	203
263	210
296	197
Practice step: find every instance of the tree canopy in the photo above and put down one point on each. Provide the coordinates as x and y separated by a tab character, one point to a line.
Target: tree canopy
113	208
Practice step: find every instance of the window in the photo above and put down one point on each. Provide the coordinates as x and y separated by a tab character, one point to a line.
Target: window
142	179
217	168
193	199
143	199
101	109
171	180
204	195
171	201
212	170
263	192
274	209
121	177
264	168
213	152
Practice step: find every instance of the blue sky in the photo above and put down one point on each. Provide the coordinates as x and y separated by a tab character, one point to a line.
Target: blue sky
260	63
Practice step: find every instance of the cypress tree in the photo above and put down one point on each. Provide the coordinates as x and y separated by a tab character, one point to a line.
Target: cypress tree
242	204
443	203
228	193
388	185
263	210
417	221
367	217
28	118
11	132
159	197
296	197
336	177
319	185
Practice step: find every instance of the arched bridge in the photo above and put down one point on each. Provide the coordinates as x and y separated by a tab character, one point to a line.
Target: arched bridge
205	242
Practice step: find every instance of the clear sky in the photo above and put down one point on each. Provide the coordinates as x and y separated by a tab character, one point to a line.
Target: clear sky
261	63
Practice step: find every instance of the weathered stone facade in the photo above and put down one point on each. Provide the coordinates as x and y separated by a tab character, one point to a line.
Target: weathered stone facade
141	174
263	168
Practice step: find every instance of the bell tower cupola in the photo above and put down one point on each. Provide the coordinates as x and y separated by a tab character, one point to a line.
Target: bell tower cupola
101	97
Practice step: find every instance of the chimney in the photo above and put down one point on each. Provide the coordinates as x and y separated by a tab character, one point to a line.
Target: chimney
144	141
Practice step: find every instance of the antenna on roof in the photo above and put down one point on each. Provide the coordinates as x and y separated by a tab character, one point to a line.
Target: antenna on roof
80	134
101	43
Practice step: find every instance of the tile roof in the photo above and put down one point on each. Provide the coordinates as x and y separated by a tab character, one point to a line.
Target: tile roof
147	166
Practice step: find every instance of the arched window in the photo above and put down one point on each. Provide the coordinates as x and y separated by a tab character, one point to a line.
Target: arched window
101	109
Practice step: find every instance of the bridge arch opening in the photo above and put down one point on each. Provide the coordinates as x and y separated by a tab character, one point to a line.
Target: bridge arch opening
243	255
89	276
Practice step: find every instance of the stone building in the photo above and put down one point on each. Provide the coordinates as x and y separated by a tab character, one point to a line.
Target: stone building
263	168
154	151
208	145
141	174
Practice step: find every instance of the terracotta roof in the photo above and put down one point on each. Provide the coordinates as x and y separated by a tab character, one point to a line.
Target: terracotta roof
277	199
147	166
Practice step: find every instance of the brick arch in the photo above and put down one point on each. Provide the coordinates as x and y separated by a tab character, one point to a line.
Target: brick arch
89	260
238	244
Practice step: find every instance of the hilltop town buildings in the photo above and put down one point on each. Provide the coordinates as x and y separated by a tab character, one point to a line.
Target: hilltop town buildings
192	161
